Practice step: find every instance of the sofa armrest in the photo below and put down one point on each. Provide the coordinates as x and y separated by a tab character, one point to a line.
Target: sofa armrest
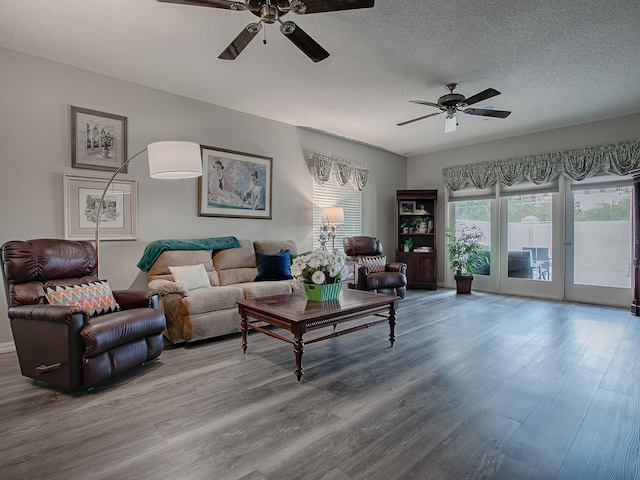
49	313
165	287
128	299
396	267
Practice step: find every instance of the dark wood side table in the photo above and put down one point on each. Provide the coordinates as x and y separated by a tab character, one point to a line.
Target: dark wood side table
294	313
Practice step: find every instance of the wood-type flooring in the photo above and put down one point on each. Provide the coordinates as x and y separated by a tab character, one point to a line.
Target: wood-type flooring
481	386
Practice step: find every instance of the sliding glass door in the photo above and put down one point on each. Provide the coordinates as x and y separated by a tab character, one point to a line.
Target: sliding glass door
598	244
529	222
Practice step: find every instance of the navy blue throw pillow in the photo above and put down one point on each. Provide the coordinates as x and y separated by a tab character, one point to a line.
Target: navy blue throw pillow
273	267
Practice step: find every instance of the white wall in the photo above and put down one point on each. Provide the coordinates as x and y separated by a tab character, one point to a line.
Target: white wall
425	171
35	152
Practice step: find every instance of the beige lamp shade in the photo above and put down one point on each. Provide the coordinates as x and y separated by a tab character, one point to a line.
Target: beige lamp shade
333	215
174	159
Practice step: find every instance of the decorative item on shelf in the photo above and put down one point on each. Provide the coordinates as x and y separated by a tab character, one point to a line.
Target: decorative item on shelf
408	244
407	207
170	160
423	249
465	253
404	225
333	216
420	224
321	273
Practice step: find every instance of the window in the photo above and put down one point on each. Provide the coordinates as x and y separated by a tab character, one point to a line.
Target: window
350	200
478	213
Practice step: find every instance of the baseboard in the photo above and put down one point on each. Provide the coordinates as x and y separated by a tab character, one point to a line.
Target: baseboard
7	347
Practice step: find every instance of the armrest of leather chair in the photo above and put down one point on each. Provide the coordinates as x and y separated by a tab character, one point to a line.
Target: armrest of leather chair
396	267
363	271
69	314
128	299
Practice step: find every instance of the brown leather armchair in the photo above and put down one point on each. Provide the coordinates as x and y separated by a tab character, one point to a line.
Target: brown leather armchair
392	281
61	344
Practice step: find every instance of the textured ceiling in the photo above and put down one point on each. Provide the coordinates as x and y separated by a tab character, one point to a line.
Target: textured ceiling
557	63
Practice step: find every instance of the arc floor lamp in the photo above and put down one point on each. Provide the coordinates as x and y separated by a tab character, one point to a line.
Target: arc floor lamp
168	159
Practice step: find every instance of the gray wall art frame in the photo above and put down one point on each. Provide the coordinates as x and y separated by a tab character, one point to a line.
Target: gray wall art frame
234	184
98	140
118	220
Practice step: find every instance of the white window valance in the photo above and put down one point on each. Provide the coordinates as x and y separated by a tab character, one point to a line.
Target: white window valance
613	158
326	169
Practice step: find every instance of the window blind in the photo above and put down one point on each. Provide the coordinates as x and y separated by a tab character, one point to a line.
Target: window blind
332	196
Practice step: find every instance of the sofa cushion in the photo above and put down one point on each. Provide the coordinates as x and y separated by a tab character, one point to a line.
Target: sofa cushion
191	276
242	257
274	267
275	246
213	298
95	297
177	258
265	289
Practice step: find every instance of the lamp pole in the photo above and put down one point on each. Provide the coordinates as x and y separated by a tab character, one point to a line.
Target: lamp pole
99	210
167	159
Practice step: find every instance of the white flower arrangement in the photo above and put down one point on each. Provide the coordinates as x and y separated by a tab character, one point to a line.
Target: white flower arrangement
319	267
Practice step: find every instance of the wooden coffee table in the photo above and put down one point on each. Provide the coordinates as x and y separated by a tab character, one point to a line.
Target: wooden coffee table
293	312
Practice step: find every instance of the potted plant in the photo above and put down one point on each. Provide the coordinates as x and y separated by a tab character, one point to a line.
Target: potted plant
408	244
320	273
404	226
464	253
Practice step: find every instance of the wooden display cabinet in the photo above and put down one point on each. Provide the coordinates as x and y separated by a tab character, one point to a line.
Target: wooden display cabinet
416	224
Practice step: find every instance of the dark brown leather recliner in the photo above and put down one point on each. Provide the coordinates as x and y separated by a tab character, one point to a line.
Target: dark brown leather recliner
61	344
392	281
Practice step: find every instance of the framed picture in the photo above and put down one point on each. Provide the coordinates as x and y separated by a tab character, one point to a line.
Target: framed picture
98	140
118	218
234	184
407	207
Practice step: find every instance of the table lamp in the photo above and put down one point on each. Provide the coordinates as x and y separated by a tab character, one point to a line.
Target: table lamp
334	216
169	159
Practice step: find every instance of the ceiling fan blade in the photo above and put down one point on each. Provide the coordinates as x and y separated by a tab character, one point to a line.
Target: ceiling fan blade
237	5
424	102
451	123
304	42
487	113
319	6
478	97
419	118
240	42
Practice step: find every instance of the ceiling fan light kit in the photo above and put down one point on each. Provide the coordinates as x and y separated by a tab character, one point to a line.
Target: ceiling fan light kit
270	11
452	103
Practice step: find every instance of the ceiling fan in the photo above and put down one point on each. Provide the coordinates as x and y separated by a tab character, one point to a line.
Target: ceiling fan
452	103
271	11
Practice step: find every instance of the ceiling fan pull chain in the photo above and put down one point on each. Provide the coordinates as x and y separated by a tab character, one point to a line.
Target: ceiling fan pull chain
264	36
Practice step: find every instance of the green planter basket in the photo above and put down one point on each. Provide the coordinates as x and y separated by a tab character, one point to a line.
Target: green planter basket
320	293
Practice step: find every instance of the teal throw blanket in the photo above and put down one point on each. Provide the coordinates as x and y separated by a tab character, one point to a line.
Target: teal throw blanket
154	249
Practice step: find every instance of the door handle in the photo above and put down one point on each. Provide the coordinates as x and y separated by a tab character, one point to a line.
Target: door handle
568	244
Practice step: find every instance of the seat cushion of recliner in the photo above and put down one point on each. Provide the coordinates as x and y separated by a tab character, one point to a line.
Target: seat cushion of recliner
384	280
104	332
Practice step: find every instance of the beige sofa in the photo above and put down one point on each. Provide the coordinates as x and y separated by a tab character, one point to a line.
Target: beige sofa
212	311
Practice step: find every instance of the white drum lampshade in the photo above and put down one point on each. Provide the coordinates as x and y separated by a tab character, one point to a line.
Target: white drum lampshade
170	159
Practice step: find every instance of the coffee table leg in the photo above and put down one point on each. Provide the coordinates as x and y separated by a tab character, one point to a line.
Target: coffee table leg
243	329
392	324
298	348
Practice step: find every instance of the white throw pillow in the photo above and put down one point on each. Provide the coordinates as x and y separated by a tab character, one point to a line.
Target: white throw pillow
191	276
